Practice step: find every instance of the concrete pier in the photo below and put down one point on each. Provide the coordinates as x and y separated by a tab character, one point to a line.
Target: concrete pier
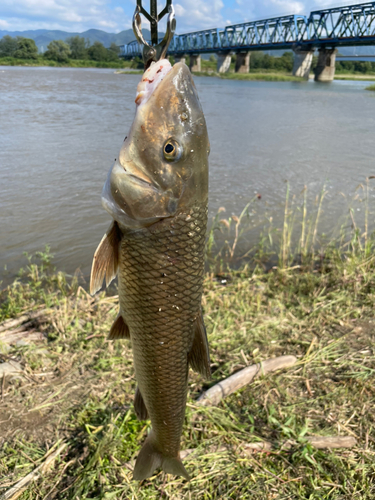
302	63
223	62
195	62
325	69
242	62
180	59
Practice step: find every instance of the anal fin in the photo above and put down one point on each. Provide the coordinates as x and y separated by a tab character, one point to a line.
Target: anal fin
199	356
139	406
119	329
105	261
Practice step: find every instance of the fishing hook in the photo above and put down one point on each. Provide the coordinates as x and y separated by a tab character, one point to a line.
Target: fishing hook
155	51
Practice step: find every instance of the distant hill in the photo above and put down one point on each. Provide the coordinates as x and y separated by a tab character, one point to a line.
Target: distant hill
43	37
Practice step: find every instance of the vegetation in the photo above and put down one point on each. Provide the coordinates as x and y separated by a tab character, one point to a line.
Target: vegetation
371	87
58	50
20	48
266	77
315	301
355	67
75	52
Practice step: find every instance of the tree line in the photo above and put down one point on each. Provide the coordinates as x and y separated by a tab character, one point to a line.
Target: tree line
75	47
78	48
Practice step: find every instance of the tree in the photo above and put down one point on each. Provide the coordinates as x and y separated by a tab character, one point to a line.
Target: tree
8	46
78	47
57	50
114	48
113	52
26	49
97	52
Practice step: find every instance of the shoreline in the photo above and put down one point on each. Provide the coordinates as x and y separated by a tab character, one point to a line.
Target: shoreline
123	67
80	387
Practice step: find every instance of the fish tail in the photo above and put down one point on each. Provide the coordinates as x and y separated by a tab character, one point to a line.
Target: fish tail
150	458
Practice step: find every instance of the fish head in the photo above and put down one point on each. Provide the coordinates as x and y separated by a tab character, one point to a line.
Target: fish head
162	168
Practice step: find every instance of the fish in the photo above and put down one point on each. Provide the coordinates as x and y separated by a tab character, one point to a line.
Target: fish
157	195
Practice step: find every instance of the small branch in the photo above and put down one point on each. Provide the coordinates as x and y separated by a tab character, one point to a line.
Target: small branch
20	487
231	384
14	322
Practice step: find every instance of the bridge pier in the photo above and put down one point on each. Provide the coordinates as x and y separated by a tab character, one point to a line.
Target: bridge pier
195	62
325	69
242	62
180	59
223	62
302	63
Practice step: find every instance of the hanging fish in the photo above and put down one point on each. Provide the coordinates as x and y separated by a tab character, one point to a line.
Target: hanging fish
157	194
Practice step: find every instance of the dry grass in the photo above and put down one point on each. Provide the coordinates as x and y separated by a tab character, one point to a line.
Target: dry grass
77	388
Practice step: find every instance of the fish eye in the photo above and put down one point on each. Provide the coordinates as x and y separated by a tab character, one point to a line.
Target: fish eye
171	150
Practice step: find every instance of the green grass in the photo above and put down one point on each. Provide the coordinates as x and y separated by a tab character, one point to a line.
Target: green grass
266	77
72	63
317	303
357	76
371	87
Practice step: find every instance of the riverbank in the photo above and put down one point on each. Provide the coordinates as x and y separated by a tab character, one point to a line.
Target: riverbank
73	390
265	77
361	77
72	63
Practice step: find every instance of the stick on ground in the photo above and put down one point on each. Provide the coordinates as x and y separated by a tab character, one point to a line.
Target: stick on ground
231	384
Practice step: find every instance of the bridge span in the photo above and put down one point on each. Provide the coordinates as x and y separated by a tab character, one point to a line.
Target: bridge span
324	30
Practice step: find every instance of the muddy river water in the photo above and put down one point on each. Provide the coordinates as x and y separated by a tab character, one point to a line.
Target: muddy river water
60	130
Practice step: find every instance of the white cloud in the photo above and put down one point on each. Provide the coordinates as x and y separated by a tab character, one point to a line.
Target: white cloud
199	14
116	15
68	15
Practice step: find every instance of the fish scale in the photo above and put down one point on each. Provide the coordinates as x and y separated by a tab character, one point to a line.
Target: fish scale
160	287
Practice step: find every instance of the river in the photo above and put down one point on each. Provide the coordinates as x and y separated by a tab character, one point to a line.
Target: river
60	130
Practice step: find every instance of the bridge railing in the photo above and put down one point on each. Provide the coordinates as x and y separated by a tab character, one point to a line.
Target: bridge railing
351	25
352	22
278	31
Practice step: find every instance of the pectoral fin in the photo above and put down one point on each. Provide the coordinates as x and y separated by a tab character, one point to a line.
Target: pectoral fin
119	329
105	260
199	356
139	406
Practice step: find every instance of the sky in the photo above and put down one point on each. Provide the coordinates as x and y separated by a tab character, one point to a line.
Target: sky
115	15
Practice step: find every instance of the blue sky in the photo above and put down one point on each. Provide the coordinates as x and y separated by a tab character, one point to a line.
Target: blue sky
115	15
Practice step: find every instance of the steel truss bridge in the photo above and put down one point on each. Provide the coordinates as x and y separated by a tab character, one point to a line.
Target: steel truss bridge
342	26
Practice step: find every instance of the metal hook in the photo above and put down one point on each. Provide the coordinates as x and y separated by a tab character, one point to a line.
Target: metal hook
156	51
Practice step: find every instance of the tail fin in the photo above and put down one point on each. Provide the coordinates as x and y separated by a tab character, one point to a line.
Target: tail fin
150	458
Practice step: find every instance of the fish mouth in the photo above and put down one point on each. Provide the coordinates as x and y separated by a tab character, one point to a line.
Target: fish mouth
134	201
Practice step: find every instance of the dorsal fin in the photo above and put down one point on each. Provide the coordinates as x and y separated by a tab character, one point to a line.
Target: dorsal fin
199	356
105	260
